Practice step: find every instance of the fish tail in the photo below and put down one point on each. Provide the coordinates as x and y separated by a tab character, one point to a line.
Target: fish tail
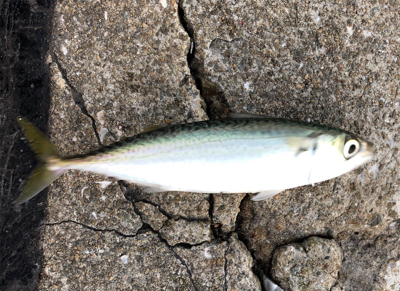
43	175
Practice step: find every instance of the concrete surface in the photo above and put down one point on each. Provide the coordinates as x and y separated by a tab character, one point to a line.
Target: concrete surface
117	67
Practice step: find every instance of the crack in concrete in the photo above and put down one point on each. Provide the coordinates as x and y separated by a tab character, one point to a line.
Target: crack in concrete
130	195
76	95
226	268
216	104
90	227
186	266
148	229
257	271
125	190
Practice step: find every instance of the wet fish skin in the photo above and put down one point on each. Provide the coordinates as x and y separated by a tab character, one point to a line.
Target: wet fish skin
246	154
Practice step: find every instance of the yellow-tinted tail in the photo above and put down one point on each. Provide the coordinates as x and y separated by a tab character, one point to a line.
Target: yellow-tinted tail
41	177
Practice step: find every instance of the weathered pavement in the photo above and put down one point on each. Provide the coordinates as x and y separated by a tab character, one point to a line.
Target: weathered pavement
115	68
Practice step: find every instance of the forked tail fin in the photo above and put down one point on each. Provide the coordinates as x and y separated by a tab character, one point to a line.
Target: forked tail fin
42	176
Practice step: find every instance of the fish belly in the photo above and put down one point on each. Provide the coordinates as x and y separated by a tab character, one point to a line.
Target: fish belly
216	167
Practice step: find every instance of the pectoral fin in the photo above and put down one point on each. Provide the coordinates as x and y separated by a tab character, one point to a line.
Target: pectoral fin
154	189
266	194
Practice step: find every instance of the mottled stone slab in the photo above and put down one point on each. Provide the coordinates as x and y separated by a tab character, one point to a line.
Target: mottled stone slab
225	210
151	215
91	200
184	231
220	265
69	129
370	260
311	265
330	63
128	61
178	204
239	267
77	258
207	264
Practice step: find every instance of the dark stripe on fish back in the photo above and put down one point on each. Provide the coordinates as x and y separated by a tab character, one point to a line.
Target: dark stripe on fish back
214	125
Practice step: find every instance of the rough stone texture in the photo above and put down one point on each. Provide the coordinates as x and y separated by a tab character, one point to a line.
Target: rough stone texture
239	267
91	204
220	266
311	265
188	232
371	261
77	258
177	204
128	62
77	196
206	263
225	210
151	215
333	63
70	130
124	65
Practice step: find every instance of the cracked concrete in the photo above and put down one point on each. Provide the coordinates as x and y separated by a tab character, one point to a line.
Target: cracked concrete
77	97
118	67
89	218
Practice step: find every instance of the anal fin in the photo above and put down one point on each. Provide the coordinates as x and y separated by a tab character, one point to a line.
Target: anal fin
266	194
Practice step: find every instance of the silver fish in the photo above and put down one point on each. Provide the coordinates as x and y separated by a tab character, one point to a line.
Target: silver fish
244	154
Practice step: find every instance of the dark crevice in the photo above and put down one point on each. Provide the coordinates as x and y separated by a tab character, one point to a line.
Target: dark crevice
215	228
226	268
257	269
135	195
90	227
186	266
130	195
216	104
77	96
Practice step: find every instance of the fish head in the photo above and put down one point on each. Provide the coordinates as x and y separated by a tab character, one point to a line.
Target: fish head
338	153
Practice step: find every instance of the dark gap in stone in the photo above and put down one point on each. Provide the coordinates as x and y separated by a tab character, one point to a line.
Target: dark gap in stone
217	106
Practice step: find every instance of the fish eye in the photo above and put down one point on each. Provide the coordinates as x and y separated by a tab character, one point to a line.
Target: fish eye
351	148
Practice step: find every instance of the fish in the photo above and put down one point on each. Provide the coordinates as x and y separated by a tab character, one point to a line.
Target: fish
243	154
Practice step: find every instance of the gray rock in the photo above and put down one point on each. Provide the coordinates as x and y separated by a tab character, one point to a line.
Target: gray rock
69	129
311	265
177	204
128	62
329	63
125	66
220	266
77	258
85	198
207	264
91	204
371	262
151	215
225	210
239	267
184	231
